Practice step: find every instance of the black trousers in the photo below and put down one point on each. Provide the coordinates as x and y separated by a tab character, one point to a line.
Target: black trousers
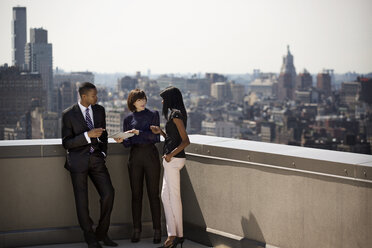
100	177
143	164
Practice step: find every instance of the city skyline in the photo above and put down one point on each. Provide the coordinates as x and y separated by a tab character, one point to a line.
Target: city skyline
215	36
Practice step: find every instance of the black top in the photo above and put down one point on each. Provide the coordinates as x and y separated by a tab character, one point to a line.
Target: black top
173	138
141	121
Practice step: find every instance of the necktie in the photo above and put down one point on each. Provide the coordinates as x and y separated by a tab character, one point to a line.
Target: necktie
89	122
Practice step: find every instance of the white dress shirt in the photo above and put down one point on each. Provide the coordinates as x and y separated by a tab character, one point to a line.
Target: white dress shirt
83	109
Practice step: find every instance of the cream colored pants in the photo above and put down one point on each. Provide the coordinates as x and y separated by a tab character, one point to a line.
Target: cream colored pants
171	196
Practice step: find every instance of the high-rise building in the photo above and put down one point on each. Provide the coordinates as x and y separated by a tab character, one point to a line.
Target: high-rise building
19	36
220	91
38	35
199	86
126	84
264	85
365	90
51	125
114	120
323	83
215	77
237	92
68	95
304	80
18	92
171	80
303	96
73	77
39	58
349	93
287	78
221	129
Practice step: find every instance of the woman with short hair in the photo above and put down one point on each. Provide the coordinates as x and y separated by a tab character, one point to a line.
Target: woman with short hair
144	162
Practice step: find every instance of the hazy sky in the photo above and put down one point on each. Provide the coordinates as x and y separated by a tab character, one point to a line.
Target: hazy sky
231	36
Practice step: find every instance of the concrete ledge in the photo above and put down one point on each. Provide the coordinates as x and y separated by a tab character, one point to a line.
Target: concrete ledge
45	148
293	158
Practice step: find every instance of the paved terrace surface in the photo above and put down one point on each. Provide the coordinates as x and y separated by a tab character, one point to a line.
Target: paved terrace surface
144	243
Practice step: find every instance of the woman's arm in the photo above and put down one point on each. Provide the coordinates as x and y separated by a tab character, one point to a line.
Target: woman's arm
185	139
158	130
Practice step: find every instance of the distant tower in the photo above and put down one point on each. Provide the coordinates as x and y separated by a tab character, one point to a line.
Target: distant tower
287	78
19	36
304	81
323	83
39	58
38	35
138	74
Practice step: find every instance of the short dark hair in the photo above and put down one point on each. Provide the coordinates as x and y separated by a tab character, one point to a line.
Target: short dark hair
85	87
133	96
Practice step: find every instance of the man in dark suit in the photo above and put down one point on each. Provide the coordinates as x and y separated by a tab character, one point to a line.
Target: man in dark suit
85	139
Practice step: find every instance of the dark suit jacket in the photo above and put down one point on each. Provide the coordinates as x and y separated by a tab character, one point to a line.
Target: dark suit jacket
74	141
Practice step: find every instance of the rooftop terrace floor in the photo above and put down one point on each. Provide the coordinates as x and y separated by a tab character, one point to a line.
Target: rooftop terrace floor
144	243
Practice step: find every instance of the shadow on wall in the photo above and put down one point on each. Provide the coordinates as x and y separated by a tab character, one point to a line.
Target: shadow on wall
251	229
194	223
195	228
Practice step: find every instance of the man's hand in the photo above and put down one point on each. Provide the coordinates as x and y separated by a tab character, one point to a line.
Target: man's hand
135	131
119	140
95	132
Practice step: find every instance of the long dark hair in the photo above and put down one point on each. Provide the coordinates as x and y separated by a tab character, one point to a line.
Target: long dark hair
172	99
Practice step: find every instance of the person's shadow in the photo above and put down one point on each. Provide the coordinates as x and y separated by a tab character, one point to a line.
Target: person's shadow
195	228
252	229
194	223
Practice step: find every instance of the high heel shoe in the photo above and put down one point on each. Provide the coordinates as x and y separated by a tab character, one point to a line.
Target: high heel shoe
178	240
169	245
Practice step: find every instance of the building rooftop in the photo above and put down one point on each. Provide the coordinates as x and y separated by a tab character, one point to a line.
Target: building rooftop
144	243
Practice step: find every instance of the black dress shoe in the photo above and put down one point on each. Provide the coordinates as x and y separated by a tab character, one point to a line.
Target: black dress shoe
135	236
157	237
108	242
94	245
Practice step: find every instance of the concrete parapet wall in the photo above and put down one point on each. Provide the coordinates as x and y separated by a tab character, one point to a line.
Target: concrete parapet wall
235	193
37	204
250	192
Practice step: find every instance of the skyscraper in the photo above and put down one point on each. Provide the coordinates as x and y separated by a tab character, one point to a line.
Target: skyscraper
365	90
38	35
19	36
287	78
304	81
18	92
39	58
220	91
323	83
